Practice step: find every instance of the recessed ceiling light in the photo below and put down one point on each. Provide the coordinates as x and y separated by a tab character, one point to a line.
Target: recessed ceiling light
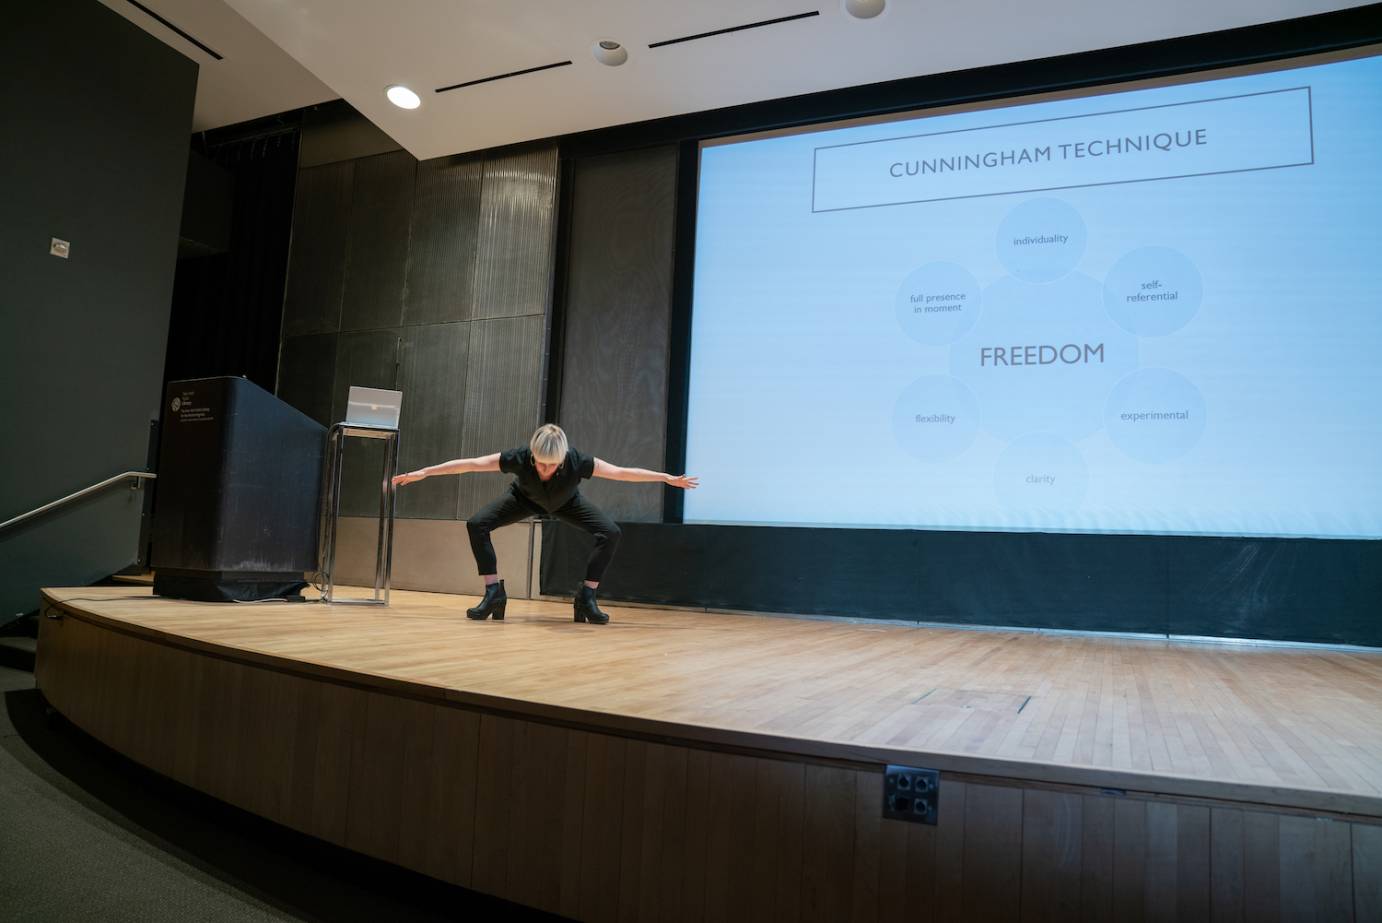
402	97
608	51
864	9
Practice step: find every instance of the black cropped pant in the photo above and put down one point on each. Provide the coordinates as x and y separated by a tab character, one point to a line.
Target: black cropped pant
511	508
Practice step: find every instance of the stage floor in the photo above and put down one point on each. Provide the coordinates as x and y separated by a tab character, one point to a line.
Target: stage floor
1293	727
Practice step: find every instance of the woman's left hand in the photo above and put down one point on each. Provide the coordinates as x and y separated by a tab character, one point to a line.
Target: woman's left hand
685	482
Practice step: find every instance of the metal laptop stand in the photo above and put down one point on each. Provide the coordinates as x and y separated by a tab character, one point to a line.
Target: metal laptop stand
331	513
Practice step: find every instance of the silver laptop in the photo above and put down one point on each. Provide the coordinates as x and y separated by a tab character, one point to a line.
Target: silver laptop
373	407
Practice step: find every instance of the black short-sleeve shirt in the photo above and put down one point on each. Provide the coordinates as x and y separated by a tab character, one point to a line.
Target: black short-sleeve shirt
552	494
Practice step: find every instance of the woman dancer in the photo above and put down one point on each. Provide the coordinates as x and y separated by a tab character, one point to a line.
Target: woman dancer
548	475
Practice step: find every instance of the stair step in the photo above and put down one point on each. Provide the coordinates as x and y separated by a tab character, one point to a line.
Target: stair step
26	626
18	653
144	579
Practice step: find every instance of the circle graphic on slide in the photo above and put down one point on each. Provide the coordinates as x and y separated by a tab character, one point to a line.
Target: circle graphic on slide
1041	472
1155	415
1153	291
1041	240
938	303
1043	358
936	417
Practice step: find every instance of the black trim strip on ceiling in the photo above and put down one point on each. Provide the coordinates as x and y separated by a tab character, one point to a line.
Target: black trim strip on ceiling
144	9
752	25
471	83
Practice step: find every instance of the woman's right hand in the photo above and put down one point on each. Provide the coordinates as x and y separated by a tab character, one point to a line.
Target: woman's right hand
400	479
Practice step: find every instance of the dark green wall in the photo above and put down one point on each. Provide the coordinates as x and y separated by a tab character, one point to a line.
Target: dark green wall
96	118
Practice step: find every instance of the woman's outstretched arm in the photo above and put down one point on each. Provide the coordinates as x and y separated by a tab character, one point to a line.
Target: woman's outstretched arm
455	466
604	469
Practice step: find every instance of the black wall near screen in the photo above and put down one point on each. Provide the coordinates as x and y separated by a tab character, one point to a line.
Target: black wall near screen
1278	589
610	383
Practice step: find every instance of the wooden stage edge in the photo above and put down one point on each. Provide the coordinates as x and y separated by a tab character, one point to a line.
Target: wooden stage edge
727	767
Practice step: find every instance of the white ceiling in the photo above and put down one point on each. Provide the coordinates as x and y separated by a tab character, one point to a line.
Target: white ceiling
254	77
358	47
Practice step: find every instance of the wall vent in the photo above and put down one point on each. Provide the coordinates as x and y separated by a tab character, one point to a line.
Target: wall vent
148	12
751	25
526	70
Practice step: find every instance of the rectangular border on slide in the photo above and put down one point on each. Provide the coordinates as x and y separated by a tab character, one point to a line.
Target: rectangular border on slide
1310	111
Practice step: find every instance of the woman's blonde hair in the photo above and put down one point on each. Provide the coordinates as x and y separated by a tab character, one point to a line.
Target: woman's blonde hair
548	444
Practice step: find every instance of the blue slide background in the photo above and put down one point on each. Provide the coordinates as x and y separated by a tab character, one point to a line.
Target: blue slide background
817	395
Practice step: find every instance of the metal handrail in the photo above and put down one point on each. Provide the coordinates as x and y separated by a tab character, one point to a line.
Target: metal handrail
138	475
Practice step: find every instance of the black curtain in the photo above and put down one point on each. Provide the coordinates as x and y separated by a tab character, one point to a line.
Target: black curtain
228	307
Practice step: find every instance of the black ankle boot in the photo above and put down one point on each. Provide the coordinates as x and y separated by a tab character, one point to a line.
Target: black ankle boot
586	610
493	604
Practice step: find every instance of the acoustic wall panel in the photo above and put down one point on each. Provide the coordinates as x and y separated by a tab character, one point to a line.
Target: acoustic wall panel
335	131
441	249
433	555
516	234
390	259
316	262
502	398
617	318
434	360
362	477
369	360
377	256
307	374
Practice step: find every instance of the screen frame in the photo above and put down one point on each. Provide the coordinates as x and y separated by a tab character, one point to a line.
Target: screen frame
1248	51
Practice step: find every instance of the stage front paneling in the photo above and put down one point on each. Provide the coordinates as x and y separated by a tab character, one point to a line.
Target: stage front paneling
682	766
